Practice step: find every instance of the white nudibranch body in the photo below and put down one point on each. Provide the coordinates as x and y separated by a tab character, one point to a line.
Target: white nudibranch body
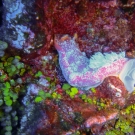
82	72
127	75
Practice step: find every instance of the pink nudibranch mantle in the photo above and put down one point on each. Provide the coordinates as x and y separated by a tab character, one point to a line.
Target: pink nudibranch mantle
82	72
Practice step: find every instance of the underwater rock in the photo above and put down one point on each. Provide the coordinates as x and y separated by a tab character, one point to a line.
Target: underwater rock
30	117
19	18
114	89
42	81
101	117
130	54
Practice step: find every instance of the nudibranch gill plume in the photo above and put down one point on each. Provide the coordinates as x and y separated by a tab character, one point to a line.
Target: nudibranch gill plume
82	72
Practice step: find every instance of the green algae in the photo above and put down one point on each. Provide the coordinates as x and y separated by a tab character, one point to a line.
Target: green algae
125	123
66	86
11	68
38	74
42	95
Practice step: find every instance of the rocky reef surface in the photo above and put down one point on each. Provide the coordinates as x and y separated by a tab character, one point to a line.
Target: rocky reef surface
35	97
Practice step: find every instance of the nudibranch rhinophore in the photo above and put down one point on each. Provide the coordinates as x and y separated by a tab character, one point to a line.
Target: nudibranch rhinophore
82	72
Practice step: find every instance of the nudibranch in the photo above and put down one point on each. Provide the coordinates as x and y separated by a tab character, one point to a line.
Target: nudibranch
82	72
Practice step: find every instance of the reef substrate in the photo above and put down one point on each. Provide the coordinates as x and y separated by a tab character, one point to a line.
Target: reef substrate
49	105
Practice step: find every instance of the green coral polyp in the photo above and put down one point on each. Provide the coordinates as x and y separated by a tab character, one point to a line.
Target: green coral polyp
66	86
12	82
129	109
126	123
12	66
56	95
18	57
8	102
22	71
7	85
71	91
48	79
13	95
38	99
19	65
11	70
1	66
42	95
3	77
124	126
93	90
38	74
10	59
